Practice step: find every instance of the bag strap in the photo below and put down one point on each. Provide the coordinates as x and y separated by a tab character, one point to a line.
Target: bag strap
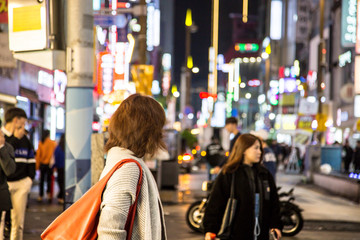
232	185
132	211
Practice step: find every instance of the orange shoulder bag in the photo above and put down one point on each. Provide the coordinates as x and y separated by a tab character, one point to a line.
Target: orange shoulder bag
80	220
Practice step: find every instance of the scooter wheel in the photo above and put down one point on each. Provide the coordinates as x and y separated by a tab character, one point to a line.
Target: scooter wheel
194	217
292	222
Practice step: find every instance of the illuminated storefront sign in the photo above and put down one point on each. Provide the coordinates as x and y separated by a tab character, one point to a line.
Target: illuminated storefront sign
287	85
166	63
356	106
312	80
344	58
46	79
153	28
60	81
229	100
285	122
357	74
348	23
105	69
276	20
357	46
254	82
246	47
304	122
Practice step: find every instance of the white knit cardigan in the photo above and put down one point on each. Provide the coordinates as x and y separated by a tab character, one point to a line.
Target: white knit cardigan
120	193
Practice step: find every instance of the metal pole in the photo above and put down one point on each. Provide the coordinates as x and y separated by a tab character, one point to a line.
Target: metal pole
320	54
142	33
320	64
187	69
215	41
79	97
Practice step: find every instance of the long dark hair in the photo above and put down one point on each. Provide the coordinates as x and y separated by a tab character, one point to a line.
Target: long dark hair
45	134
62	142
236	158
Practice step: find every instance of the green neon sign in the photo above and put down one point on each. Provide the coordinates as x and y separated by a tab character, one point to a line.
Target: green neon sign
246	47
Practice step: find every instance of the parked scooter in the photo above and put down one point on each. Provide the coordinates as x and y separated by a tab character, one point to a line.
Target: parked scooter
290	212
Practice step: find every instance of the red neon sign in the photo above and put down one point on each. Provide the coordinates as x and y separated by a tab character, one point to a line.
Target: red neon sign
204	95
254	83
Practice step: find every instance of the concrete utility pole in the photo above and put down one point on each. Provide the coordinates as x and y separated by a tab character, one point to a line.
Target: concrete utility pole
79	24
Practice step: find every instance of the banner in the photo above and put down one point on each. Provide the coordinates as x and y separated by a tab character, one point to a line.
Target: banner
3	11
142	76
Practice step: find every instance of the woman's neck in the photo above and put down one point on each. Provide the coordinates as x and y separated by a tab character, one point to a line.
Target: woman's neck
248	163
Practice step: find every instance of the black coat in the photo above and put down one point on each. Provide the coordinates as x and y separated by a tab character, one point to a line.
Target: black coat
244	220
7	167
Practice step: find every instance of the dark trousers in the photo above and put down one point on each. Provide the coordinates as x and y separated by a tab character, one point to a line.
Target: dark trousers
45	172
61	182
347	164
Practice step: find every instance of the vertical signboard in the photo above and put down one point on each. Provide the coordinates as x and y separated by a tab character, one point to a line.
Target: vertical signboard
357	45
357	74
348	23
302	23
276	20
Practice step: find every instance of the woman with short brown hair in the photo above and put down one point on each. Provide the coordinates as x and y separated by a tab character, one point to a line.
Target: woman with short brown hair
136	129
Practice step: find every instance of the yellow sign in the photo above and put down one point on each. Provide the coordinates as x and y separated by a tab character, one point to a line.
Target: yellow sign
358	125
321	119
27	18
142	75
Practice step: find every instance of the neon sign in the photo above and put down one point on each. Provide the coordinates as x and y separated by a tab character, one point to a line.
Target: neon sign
246	47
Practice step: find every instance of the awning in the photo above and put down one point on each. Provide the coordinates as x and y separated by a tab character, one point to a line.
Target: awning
31	95
8	98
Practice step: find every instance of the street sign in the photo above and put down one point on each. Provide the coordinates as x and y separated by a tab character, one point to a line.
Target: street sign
321	119
28	25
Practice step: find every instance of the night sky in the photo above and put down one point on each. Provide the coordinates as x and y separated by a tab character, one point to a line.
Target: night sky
201	40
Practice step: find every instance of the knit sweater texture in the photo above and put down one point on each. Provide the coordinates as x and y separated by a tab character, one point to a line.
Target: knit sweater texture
120	194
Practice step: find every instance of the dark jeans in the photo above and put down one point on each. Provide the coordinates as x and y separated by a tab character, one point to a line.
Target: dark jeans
45	172
61	182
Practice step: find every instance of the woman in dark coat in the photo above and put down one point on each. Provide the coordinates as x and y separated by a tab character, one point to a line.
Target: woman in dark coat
252	180
7	167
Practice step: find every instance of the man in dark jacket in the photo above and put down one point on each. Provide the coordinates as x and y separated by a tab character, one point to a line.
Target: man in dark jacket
20	181
231	125
7	167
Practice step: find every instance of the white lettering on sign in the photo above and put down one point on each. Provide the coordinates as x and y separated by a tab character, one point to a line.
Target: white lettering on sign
344	58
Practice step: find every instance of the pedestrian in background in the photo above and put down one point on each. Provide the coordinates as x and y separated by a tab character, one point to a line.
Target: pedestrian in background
269	160
254	189
348	155
231	125
135	130
357	156
214	155
59	165
43	157
7	167
20	181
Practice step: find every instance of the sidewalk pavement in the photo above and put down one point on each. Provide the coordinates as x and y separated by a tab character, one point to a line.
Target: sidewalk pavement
318	205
